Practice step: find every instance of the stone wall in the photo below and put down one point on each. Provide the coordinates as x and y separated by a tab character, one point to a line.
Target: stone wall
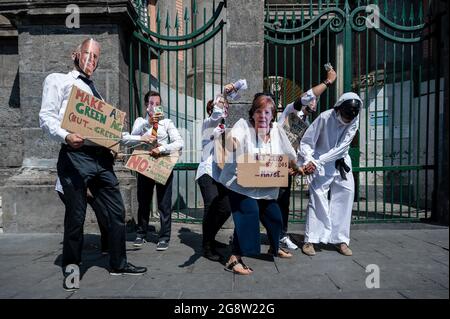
11	143
44	46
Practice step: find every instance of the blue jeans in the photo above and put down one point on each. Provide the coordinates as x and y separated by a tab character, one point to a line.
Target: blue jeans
247	212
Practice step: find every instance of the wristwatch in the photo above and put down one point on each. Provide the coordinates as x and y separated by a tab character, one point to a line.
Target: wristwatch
327	82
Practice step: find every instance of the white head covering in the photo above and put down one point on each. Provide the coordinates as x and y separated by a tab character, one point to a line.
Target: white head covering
348	96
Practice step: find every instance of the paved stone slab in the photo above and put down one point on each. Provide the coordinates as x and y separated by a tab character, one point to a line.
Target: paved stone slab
413	263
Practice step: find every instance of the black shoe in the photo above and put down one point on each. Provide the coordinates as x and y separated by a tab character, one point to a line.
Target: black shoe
210	253
162	245
139	241
129	269
218	244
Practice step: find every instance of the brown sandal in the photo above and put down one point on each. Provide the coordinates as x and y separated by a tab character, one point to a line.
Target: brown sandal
239	264
282	253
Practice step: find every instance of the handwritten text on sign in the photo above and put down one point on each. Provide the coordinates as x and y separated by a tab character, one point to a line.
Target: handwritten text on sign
257	170
158	169
294	127
94	119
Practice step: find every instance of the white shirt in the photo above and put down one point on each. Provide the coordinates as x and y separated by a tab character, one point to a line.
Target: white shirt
55	95
327	140
244	133
168	136
205	166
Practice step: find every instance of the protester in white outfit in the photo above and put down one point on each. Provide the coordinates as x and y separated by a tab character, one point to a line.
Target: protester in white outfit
215	196
304	106
325	145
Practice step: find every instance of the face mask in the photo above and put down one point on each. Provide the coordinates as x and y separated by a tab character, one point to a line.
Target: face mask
339	118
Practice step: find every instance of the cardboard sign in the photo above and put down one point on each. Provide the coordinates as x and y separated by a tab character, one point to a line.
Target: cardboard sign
294	127
221	155
94	119
158	169
257	170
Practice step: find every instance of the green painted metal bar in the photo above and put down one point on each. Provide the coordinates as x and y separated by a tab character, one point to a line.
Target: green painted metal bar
276	63
384	117
419	104
213	58
392	155
284	64
293	186
192	44
411	97
186	36
186	21
328	56
204	77
158	27
168	66
394	168
376	122
427	141
358	193
177	64
347	48
311	45
139	106
319	65
437	99
401	106
366	120
131	76
149	51
221	58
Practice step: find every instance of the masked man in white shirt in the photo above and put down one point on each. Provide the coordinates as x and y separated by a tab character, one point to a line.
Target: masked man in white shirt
325	145
82	165
166	140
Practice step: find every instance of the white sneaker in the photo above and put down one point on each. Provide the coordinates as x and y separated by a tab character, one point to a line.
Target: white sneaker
286	242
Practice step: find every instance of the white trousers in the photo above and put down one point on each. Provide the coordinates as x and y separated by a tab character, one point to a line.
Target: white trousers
328	221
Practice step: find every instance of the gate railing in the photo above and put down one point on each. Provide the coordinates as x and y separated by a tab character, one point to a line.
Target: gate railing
179	53
382	53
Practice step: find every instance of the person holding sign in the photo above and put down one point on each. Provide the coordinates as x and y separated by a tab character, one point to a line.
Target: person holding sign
249	205
215	196
82	165
165	140
325	146
303	107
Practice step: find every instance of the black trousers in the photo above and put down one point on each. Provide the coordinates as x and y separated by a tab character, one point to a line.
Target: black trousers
100	214
217	207
283	200
90	167
145	186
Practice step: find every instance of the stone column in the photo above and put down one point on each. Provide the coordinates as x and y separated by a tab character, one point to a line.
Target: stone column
45	43
244	51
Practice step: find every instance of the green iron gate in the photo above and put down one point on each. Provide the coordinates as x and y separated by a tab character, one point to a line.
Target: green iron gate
181	56
384	55
382	51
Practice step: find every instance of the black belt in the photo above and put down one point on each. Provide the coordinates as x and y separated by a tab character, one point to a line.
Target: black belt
342	167
87	149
